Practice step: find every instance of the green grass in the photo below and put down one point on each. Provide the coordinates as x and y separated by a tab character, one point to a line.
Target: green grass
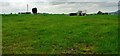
56	34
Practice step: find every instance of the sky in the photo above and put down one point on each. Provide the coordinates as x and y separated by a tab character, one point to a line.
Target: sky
58	6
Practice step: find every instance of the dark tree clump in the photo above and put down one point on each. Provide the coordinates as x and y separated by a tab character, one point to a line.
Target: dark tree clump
34	10
18	12
100	12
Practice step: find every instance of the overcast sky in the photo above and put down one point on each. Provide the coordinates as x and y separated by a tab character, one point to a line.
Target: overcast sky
58	6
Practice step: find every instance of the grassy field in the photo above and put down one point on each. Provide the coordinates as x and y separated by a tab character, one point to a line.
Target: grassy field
56	34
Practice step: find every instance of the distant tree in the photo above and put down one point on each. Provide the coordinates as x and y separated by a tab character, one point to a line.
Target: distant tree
73	14
18	12
10	13
100	12
34	10
118	12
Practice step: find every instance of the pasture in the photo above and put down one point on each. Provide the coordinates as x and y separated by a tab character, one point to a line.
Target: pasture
56	34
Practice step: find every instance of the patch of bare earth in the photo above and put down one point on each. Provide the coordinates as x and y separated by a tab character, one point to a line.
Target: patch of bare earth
79	48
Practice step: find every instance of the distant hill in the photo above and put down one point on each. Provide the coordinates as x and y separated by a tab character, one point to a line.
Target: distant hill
116	12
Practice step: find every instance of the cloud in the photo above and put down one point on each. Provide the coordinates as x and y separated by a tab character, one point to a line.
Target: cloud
59	0
119	5
4	4
56	3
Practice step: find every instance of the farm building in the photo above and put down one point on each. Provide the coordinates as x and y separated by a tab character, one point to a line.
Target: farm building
79	13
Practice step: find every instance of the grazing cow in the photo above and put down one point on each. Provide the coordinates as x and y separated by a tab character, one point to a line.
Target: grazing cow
73	14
